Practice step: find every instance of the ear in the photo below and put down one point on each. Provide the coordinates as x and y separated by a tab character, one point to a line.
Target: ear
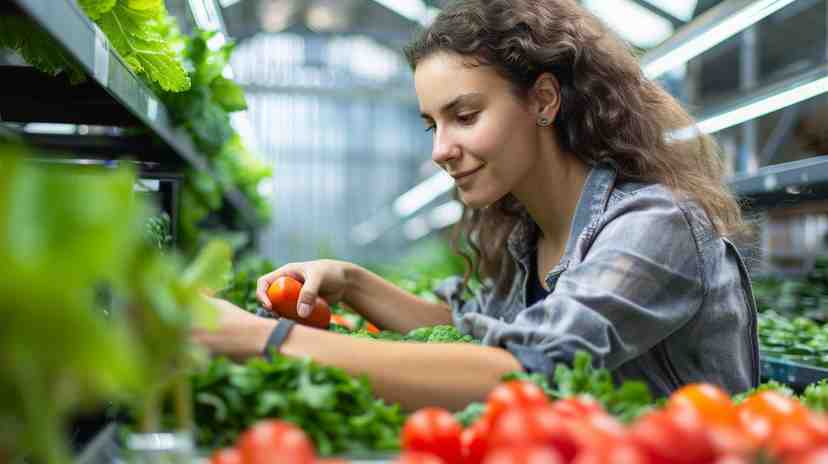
546	95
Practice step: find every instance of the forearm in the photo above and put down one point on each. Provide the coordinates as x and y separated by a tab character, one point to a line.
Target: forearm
412	374
388	306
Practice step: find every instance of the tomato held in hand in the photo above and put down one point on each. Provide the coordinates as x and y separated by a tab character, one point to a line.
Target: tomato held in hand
272	441
284	296
711	402
434	431
513	394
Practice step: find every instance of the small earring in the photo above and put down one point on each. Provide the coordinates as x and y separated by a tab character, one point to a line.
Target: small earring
544	121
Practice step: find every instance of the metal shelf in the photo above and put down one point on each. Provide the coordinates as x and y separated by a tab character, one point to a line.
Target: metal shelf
794	374
791	182
113	96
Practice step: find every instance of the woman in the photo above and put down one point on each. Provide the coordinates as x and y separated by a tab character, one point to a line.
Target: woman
594	229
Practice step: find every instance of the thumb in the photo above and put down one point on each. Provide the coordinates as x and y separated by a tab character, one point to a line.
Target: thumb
307	297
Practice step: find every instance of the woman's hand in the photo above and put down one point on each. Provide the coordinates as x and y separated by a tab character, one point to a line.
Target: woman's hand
325	278
238	334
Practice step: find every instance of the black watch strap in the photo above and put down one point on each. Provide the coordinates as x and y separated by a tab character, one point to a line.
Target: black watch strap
277	337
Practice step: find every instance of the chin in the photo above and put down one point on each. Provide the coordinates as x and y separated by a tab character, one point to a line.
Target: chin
476	200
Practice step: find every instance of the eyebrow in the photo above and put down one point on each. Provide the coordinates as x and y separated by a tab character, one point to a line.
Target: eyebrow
460	99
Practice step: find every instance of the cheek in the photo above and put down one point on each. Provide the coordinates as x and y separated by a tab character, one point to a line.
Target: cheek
507	147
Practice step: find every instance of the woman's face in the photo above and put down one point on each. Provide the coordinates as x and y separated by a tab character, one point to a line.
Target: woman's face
484	136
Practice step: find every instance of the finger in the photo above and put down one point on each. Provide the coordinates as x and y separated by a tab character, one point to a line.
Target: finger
263	283
307	297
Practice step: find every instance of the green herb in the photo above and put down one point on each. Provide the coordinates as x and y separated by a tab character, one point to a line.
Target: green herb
772	385
815	396
337	411
470	414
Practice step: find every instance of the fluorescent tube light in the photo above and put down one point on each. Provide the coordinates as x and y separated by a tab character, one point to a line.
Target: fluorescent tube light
445	215
718	33
779	96
416	228
633	22
761	108
423	194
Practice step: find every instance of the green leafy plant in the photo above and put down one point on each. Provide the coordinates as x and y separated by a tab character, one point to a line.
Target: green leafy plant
137	29
37	48
63	232
337	411
158	232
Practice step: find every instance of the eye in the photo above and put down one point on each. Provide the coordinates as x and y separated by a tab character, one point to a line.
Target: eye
467	118
431	128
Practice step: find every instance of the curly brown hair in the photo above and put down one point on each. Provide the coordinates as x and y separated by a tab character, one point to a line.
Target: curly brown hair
609	109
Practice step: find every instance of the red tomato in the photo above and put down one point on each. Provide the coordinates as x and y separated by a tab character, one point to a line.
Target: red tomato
595	429
711	402
414	457
734	459
226	456
676	436
817	456
788	440
371	328
524	455
761	413
474	441
284	296
513	394
272	441
332	461
522	427
731	441
818	423
435	431
577	407
615	452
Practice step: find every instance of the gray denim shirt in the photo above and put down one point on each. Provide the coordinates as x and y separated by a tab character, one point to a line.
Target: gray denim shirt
645	285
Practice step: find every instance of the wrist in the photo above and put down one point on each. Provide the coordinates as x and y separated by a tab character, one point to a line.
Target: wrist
260	334
352	275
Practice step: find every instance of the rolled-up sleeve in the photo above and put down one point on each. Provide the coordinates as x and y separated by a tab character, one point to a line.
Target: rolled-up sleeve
639	281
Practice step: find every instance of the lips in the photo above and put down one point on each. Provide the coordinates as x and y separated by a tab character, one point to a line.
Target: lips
463	174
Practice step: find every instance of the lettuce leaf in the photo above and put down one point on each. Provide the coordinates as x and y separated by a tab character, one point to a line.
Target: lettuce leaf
95	8
139	37
37	48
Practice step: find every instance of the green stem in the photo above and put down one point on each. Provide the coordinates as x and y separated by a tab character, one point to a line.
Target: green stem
150	420
183	401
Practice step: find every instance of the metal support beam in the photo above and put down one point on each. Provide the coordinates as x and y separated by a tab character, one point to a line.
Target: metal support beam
780	135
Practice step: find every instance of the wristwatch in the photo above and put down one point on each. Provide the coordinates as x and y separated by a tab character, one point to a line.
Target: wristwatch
277	337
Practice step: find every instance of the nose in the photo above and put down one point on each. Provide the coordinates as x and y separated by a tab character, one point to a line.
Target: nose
444	149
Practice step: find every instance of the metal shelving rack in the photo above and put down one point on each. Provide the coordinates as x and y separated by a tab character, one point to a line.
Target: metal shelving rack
111	96
791	373
785	183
